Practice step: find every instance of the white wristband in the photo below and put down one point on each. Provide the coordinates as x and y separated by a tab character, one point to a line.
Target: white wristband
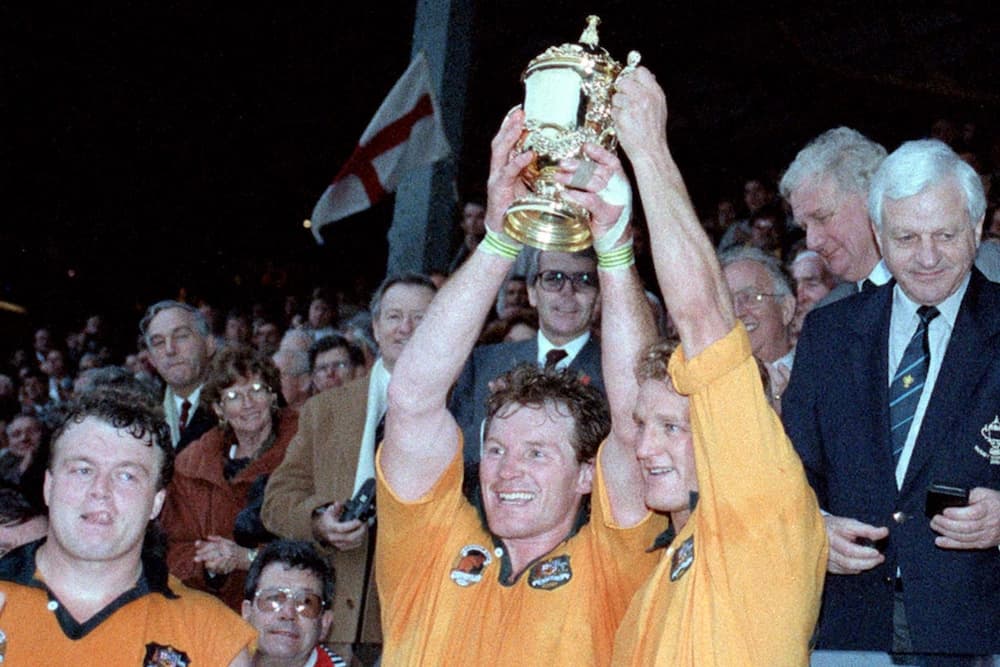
616	193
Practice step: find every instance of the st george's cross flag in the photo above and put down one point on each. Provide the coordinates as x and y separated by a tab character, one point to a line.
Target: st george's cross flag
405	133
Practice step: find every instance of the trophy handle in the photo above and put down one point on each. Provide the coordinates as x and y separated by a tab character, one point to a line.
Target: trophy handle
633	62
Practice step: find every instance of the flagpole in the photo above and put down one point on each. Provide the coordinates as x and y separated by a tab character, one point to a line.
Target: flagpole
422	226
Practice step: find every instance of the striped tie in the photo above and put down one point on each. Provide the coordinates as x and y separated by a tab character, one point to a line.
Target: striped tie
904	392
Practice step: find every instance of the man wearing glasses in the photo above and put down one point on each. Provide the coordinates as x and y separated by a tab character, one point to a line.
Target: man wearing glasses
288	599
563	287
334	361
764	302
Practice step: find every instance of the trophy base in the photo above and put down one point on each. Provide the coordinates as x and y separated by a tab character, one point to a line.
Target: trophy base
557	226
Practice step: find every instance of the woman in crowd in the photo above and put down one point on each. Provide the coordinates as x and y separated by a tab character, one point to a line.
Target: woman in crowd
213	476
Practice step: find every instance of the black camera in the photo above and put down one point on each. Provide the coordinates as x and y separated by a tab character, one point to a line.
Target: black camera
362	505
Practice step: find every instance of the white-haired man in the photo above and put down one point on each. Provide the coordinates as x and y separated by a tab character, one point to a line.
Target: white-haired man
893	392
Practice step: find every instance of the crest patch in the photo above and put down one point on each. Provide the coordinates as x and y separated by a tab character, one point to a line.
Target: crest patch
550	574
682	559
991	433
158	655
469	565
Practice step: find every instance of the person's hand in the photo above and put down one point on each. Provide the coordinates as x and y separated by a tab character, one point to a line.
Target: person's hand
846	556
505	184
343	535
639	109
975	526
587	184
220	555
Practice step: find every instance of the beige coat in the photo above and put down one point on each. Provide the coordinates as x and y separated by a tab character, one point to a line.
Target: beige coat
318	469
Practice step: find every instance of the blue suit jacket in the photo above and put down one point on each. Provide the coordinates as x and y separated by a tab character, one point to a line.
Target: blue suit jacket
468	399
836	413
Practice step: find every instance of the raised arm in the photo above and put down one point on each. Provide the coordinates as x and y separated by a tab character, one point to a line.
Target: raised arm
421	436
627	328
694	290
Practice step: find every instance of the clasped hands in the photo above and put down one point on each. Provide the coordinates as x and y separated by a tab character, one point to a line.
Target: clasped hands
975	526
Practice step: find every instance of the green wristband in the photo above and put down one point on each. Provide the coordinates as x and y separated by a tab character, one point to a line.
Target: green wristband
500	245
621	257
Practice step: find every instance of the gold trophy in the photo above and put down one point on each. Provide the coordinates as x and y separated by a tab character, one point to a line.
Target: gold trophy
567	102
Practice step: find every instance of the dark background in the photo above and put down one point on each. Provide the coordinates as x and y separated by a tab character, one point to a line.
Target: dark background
150	148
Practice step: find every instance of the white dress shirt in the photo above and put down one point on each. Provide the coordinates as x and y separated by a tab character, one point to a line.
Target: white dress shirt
572	349
378	399
173	405
901	328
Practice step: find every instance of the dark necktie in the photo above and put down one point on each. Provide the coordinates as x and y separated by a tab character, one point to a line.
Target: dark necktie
868	285
905	390
554	356
379	432
185	412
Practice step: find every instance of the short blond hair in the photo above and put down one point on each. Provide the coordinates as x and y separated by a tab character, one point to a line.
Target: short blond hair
655	359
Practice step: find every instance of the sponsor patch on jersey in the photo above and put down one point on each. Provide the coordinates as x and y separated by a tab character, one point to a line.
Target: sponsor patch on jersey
682	559
991	434
550	574
158	655
469	565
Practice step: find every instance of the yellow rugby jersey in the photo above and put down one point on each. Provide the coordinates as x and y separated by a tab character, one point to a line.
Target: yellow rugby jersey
439	575
740	584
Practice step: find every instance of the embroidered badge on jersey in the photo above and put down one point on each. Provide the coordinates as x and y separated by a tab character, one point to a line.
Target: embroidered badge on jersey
991	433
469	565
550	574
682	559
158	655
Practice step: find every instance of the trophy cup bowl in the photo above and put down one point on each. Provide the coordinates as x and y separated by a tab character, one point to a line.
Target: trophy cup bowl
567	103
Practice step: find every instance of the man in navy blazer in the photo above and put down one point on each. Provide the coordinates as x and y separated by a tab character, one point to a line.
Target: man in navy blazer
563	288
897	580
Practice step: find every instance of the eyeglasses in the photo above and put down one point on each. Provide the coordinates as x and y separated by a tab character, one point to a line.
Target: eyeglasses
553	281
270	600
750	298
333	366
257	391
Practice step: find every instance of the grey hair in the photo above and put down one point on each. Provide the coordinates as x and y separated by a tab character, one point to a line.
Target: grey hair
200	323
299	360
918	165
779	279
302	335
417	279
535	256
848	156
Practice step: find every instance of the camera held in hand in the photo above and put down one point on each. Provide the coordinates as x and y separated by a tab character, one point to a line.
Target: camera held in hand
362	505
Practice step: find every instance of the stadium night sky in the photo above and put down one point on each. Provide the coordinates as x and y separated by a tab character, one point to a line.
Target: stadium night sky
150	146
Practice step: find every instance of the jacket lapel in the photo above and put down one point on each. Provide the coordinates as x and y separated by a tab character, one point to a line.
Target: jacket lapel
869	366
521	352
965	363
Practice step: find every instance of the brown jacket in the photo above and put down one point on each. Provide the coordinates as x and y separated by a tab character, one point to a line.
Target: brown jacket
200	502
318	469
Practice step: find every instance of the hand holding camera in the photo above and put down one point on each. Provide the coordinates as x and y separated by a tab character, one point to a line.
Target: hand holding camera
344	525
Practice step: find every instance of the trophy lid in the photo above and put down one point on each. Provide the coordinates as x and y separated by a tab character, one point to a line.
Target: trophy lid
586	55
